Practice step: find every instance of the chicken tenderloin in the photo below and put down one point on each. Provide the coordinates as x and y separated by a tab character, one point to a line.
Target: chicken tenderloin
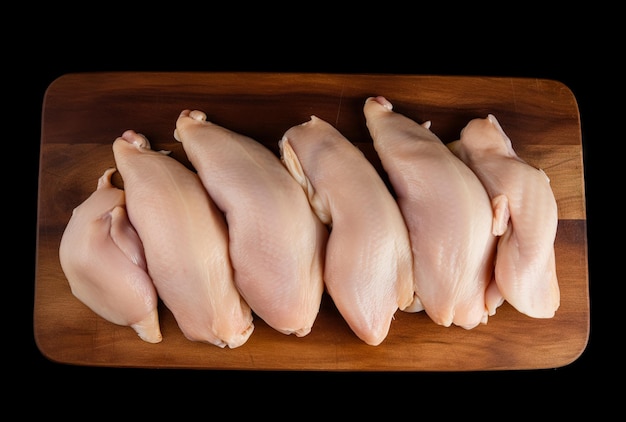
525	217
185	239
276	242
103	260
447	212
368	265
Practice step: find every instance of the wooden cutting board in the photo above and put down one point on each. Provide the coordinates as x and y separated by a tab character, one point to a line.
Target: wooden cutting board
84	113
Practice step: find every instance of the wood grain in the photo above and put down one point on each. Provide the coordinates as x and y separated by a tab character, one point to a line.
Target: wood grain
83	113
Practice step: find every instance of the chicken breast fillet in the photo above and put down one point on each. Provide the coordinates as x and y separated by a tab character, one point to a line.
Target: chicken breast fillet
525	217
186	243
104	262
276	241
368	267
447	212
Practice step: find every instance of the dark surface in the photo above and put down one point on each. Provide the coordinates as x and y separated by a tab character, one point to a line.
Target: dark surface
552	47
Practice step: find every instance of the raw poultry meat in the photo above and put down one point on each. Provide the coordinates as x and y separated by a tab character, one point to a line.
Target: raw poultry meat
104	262
185	241
276	241
447	212
368	267
525	217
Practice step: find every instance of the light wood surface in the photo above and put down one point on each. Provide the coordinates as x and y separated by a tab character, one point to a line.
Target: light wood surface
83	113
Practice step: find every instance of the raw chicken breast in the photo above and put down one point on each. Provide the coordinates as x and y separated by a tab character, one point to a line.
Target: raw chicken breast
447	212
525	217
368	270
186	243
276	241
104	262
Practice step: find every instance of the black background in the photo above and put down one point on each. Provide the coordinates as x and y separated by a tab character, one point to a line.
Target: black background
388	39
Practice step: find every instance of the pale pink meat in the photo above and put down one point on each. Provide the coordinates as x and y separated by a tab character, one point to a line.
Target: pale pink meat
525	217
103	259
185	241
368	266
276	241
447	212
